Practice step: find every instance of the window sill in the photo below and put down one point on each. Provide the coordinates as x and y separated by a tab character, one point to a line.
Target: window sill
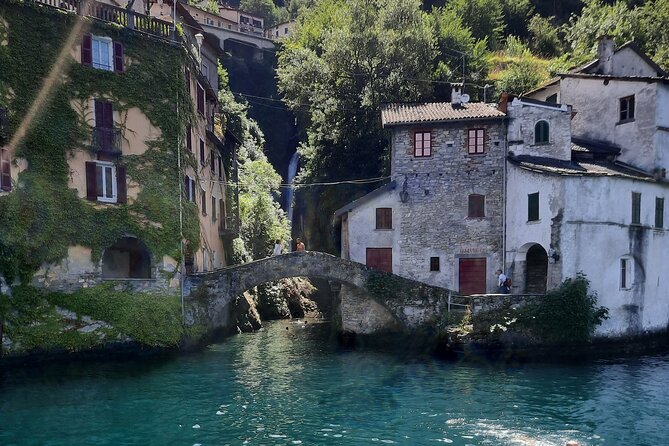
533	222
476	154
384	229
625	121
107	200
475	218
547	143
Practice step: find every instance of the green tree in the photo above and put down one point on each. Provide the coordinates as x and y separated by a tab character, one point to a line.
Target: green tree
262	8
544	39
344	60
598	19
517	13
520	77
485	18
454	41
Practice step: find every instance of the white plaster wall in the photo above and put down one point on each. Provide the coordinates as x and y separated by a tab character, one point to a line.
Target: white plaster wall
363	233
662	124
521	233
626	62
596	234
596	103
547	91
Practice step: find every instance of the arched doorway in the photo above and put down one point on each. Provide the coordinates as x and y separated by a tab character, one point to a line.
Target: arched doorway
128	258
536	267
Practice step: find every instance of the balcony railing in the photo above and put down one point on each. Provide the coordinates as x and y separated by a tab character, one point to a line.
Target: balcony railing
229	226
113	14
3	122
108	141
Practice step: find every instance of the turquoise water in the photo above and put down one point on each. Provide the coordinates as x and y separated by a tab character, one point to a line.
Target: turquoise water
295	386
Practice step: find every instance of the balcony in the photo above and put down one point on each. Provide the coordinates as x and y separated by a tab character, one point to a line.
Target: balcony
108	13
3	123
107	141
229	226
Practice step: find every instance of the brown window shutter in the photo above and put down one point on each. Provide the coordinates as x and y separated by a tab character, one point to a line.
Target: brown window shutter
200	99
118	57
121	186
189	138
87	50
187	188
5	171
91	186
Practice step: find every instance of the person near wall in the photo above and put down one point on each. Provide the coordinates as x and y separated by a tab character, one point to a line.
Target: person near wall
501	282
299	246
277	248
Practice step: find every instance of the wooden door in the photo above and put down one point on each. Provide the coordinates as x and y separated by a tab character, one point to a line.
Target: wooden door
472	276
380	258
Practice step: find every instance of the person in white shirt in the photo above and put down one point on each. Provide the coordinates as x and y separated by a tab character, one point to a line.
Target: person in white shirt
277	248
501	282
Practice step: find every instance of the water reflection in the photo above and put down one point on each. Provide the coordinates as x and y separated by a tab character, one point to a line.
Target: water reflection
291	384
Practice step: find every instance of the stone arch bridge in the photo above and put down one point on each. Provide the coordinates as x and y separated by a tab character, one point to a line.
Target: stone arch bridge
370	301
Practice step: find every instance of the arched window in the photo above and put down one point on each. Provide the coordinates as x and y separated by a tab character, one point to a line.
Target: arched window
541	132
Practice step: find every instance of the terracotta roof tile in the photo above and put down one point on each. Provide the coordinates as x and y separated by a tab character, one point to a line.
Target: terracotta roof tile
395	114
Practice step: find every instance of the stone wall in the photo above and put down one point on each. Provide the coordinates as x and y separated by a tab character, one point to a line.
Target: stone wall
434	220
521	135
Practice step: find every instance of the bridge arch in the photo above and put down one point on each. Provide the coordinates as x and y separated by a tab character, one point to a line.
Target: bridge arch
404	305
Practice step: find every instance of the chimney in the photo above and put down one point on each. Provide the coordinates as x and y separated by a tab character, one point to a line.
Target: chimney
605	51
456	94
503	102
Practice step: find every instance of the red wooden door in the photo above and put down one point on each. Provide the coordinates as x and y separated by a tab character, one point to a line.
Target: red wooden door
472	276
380	258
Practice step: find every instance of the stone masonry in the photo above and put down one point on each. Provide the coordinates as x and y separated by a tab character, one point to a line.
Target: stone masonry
435	220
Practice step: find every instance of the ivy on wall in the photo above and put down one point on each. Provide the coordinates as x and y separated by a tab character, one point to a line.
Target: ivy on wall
41	217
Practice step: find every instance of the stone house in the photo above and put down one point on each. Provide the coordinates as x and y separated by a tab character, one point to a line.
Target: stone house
570	188
440	219
129	151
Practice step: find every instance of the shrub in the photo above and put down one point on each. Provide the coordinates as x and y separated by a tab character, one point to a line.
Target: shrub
568	314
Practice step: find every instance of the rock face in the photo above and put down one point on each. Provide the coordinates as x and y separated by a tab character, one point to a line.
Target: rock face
284	299
245	314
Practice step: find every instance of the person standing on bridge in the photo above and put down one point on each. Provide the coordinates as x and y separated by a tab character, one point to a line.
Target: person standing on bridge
299	246
277	248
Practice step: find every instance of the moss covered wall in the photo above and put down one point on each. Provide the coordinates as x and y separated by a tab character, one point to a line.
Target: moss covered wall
42	217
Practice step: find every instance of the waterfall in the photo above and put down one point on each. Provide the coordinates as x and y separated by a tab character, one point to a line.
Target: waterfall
292	171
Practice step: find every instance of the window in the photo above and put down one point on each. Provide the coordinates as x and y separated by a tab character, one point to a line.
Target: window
476	206
189	138
626	108
422	144
105	180
5	171
541	132
533	207
205	69
102	53
285	30
434	263
626	273
189	188
200	99
212	162
203	202
475	141
203	159
384	218
636	208
220	167
221	210
105	137
188	81
213	208
659	212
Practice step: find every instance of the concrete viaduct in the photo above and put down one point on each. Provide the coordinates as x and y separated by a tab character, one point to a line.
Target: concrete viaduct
370	301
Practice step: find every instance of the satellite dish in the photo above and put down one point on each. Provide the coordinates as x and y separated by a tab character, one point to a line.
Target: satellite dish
464	98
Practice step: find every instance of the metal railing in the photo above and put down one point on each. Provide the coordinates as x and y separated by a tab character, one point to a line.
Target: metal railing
107	140
229	225
113	14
